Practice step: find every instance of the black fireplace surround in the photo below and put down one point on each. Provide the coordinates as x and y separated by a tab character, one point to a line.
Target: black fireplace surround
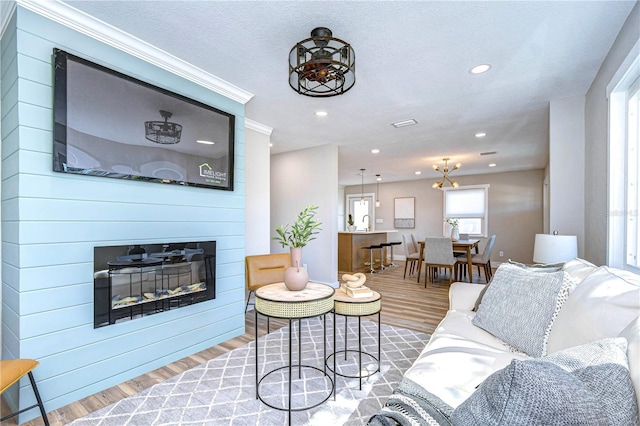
132	281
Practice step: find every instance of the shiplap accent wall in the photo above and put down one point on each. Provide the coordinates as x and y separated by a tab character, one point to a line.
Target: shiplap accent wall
52	221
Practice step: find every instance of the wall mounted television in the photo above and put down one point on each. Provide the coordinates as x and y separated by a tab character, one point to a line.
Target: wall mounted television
113	125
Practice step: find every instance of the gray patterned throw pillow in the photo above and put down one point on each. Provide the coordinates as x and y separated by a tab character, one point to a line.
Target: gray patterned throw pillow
584	385
520	305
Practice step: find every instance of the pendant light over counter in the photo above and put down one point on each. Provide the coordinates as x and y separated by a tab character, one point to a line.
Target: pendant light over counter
362	186
378	179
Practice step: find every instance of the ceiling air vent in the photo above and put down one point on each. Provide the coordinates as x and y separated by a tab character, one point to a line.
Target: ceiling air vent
488	153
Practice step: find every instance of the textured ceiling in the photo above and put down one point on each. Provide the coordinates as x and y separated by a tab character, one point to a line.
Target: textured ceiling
412	61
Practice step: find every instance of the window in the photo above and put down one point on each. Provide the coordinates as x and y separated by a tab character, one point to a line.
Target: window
470	205
624	157
362	211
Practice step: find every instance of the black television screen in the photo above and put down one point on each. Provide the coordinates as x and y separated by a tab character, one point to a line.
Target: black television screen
112	125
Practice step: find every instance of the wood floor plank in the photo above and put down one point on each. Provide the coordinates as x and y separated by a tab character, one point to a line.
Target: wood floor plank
405	303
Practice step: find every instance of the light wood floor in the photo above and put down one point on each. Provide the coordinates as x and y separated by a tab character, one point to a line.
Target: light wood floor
405	303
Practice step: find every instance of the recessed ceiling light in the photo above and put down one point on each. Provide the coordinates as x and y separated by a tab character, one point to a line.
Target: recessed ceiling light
479	69
418	172
404	123
480	135
375	151
378	178
322	113
492	165
205	142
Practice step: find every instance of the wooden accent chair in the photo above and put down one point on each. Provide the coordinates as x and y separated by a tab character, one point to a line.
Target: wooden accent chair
11	371
263	269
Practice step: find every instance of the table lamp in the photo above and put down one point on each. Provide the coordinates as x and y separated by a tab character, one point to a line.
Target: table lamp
554	248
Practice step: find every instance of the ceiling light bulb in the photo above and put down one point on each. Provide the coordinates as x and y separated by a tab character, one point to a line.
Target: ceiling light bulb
455	184
436	167
322	113
435	185
480	135
492	165
375	151
479	69
457	166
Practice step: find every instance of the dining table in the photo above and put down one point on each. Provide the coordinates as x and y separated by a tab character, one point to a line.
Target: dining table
458	245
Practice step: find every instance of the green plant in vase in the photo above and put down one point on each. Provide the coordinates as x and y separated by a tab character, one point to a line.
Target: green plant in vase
296	236
351	226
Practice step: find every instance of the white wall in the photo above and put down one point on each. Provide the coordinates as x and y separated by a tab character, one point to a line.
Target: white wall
567	167
300	178
515	210
257	190
596	113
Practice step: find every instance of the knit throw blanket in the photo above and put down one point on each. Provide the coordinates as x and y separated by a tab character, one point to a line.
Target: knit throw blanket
411	405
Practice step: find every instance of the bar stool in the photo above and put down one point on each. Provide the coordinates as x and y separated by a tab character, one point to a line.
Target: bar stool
390	245
382	257
371	248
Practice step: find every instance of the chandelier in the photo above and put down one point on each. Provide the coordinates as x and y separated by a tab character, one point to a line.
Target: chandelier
163	132
322	66
445	174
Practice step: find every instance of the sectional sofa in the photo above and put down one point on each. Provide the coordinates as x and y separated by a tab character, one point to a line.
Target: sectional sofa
541	345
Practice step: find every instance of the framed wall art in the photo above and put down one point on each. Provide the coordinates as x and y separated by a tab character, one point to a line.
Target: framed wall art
404	212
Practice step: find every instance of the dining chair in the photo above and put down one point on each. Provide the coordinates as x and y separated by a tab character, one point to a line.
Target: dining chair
482	259
11	371
438	253
411	253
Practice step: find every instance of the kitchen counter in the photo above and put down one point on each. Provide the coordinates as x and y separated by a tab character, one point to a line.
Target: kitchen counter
351	256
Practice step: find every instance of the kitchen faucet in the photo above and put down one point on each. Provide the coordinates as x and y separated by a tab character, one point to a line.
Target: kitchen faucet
368	221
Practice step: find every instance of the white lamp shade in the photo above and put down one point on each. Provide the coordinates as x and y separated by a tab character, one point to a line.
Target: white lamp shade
555	248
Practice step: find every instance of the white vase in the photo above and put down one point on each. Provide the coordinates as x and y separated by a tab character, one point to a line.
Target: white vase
455	233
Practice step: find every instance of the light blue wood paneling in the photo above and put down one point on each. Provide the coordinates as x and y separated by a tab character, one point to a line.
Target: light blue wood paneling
34	69
36	94
52	222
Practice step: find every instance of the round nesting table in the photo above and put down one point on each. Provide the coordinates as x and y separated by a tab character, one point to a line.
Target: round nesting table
276	301
355	307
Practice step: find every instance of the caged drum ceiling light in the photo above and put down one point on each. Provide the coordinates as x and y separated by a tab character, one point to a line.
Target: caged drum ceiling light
322	66
445	174
163	132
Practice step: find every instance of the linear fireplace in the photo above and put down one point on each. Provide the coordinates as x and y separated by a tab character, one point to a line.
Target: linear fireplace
131	281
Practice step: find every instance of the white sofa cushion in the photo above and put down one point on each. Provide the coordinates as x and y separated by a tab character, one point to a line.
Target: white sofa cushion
458	357
586	385
578	268
520	306
601	306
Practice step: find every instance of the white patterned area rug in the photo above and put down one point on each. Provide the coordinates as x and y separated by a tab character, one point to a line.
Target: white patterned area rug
222	391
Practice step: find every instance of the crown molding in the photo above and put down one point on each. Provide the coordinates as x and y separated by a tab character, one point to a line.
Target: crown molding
258	127
6	12
83	23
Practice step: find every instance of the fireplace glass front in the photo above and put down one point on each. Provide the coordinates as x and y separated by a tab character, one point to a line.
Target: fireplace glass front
131	281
